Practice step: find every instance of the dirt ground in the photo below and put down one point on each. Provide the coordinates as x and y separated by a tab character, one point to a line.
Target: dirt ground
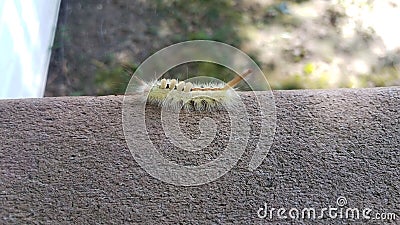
90	33
97	40
299	44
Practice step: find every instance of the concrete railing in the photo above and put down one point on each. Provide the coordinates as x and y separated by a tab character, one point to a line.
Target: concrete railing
65	160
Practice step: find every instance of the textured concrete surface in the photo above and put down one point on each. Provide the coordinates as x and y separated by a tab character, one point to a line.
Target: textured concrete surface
65	161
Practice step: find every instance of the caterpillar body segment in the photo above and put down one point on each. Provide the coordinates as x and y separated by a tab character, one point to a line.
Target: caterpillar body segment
177	95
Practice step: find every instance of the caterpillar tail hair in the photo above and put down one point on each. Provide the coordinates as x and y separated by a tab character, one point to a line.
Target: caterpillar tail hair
232	83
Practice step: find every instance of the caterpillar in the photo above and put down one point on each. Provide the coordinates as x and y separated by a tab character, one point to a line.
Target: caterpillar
177	95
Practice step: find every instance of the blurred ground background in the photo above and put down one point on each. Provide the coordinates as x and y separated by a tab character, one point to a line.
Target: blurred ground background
298	44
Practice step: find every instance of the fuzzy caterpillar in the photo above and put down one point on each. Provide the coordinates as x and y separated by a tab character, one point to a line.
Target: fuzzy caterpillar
176	95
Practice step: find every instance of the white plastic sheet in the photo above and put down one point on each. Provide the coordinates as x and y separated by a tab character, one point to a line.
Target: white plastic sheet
27	29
